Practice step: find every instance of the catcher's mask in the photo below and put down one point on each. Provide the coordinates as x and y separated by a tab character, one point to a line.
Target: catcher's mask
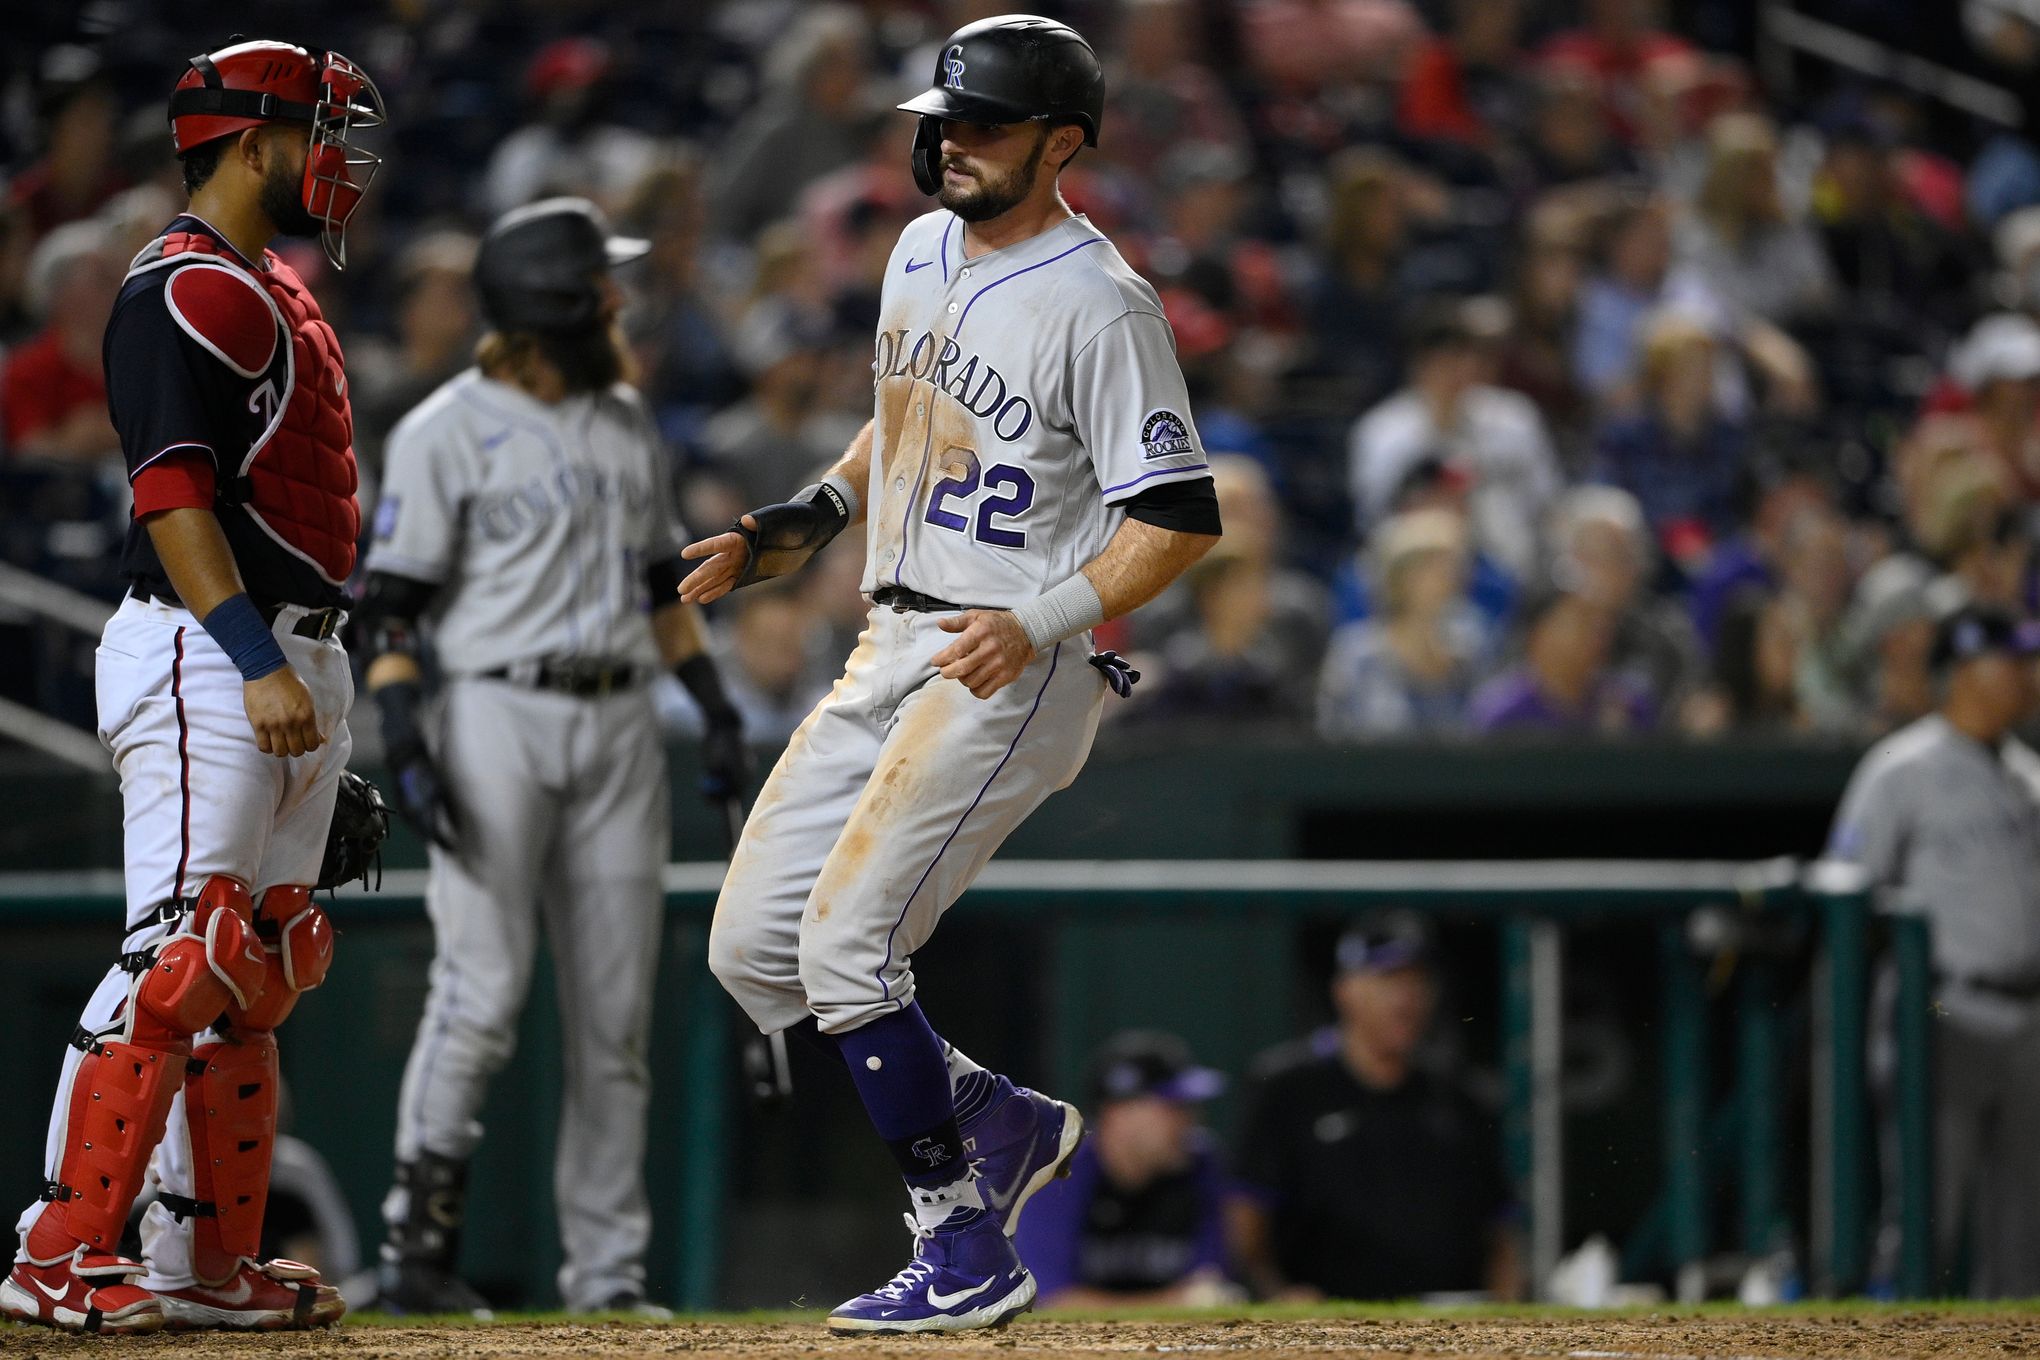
250	84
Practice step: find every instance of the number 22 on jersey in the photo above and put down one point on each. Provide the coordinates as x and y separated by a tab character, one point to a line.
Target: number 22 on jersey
1007	492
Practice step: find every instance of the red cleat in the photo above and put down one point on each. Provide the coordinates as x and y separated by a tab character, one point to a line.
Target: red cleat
274	1296
81	1292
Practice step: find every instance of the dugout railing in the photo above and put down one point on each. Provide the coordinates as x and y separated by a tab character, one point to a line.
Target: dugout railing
1702	913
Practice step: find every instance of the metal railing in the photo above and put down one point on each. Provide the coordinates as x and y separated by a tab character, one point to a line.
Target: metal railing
1533	904
70	609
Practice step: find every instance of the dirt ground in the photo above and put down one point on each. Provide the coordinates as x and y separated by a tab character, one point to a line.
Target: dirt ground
1955	1334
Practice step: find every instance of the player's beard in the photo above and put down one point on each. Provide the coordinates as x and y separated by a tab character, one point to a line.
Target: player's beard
988	199
593	360
283	200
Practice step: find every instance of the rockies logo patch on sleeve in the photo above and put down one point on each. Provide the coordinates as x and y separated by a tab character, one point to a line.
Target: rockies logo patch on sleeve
1163	434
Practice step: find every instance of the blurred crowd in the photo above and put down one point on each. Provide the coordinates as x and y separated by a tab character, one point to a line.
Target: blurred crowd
1559	375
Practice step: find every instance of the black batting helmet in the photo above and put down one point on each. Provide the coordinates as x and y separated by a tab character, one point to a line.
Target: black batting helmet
1013	68
539	266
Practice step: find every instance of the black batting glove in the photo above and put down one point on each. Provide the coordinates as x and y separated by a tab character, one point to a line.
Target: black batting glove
421	796
725	757
789	533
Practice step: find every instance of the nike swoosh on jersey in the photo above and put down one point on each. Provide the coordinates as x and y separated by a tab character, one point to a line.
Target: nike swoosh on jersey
941	1300
912	265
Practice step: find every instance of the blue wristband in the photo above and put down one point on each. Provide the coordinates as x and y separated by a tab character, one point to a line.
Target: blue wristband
236	625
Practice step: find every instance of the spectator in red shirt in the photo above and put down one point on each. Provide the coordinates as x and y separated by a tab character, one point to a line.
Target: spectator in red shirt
1465	86
53	389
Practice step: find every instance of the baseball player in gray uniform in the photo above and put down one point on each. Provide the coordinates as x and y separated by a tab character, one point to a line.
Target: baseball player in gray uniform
1031	470
1945	815
527	512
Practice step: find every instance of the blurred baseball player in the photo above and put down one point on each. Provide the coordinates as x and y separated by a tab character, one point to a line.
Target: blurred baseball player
527	508
223	697
1030	472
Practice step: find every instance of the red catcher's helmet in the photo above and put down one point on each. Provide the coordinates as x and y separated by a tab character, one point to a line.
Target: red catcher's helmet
253	83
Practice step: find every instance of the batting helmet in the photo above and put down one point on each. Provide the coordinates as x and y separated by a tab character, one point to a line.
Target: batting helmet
1013	68
253	83
540	265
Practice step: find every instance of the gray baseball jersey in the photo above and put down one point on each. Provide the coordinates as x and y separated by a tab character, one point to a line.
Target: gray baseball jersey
537	519
1021	397
1954	829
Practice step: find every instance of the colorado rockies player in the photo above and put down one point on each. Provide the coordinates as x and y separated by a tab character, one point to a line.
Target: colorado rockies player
223	698
526	508
1031	470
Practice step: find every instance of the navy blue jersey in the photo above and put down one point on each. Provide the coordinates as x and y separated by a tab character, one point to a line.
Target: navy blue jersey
199	367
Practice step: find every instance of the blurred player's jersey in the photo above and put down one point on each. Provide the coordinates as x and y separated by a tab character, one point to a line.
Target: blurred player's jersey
537	519
1022	397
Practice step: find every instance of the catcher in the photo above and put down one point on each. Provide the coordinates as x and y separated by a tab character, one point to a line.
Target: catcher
223	695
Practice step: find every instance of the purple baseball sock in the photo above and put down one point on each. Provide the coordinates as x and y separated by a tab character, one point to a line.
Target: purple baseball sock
903	1078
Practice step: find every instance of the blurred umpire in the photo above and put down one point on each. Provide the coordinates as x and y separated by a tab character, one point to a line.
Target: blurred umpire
527	512
1943	814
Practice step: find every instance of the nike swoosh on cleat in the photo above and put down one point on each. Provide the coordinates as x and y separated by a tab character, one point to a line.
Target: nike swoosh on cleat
938	1299
912	265
56	1295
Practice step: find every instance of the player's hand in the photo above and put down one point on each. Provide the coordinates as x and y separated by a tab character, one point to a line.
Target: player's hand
727	555
989	656
281	712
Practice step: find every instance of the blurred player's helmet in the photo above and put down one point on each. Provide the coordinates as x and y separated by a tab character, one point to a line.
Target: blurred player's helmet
1013	68
540	266
252	83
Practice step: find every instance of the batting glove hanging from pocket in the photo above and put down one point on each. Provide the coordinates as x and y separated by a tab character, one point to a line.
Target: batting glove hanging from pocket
1117	670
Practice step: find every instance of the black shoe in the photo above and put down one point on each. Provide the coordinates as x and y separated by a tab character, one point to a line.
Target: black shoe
417	1286
426	1212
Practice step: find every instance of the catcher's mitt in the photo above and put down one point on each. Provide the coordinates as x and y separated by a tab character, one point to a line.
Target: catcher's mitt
354	842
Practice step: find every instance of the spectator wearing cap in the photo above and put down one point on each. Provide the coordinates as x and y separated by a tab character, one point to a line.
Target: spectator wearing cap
571	147
1140	1221
53	388
1998	365
1943	816
1410	669
1364	1176
1451	409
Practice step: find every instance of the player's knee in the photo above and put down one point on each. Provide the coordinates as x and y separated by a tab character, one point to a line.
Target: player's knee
297	940
212	964
727	956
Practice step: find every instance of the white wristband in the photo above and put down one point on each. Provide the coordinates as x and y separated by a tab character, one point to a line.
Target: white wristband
1060	612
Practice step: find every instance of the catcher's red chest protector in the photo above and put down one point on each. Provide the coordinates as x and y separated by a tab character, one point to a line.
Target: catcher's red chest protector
297	478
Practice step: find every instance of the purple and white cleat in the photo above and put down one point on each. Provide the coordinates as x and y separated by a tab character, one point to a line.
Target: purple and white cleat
1019	1142
960	1279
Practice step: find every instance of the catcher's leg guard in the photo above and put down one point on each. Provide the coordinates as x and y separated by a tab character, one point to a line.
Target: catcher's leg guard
230	1110
120	1095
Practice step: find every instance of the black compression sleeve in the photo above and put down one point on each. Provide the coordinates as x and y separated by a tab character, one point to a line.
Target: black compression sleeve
1184	507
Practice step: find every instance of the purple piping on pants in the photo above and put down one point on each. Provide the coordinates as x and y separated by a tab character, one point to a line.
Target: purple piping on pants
885	988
